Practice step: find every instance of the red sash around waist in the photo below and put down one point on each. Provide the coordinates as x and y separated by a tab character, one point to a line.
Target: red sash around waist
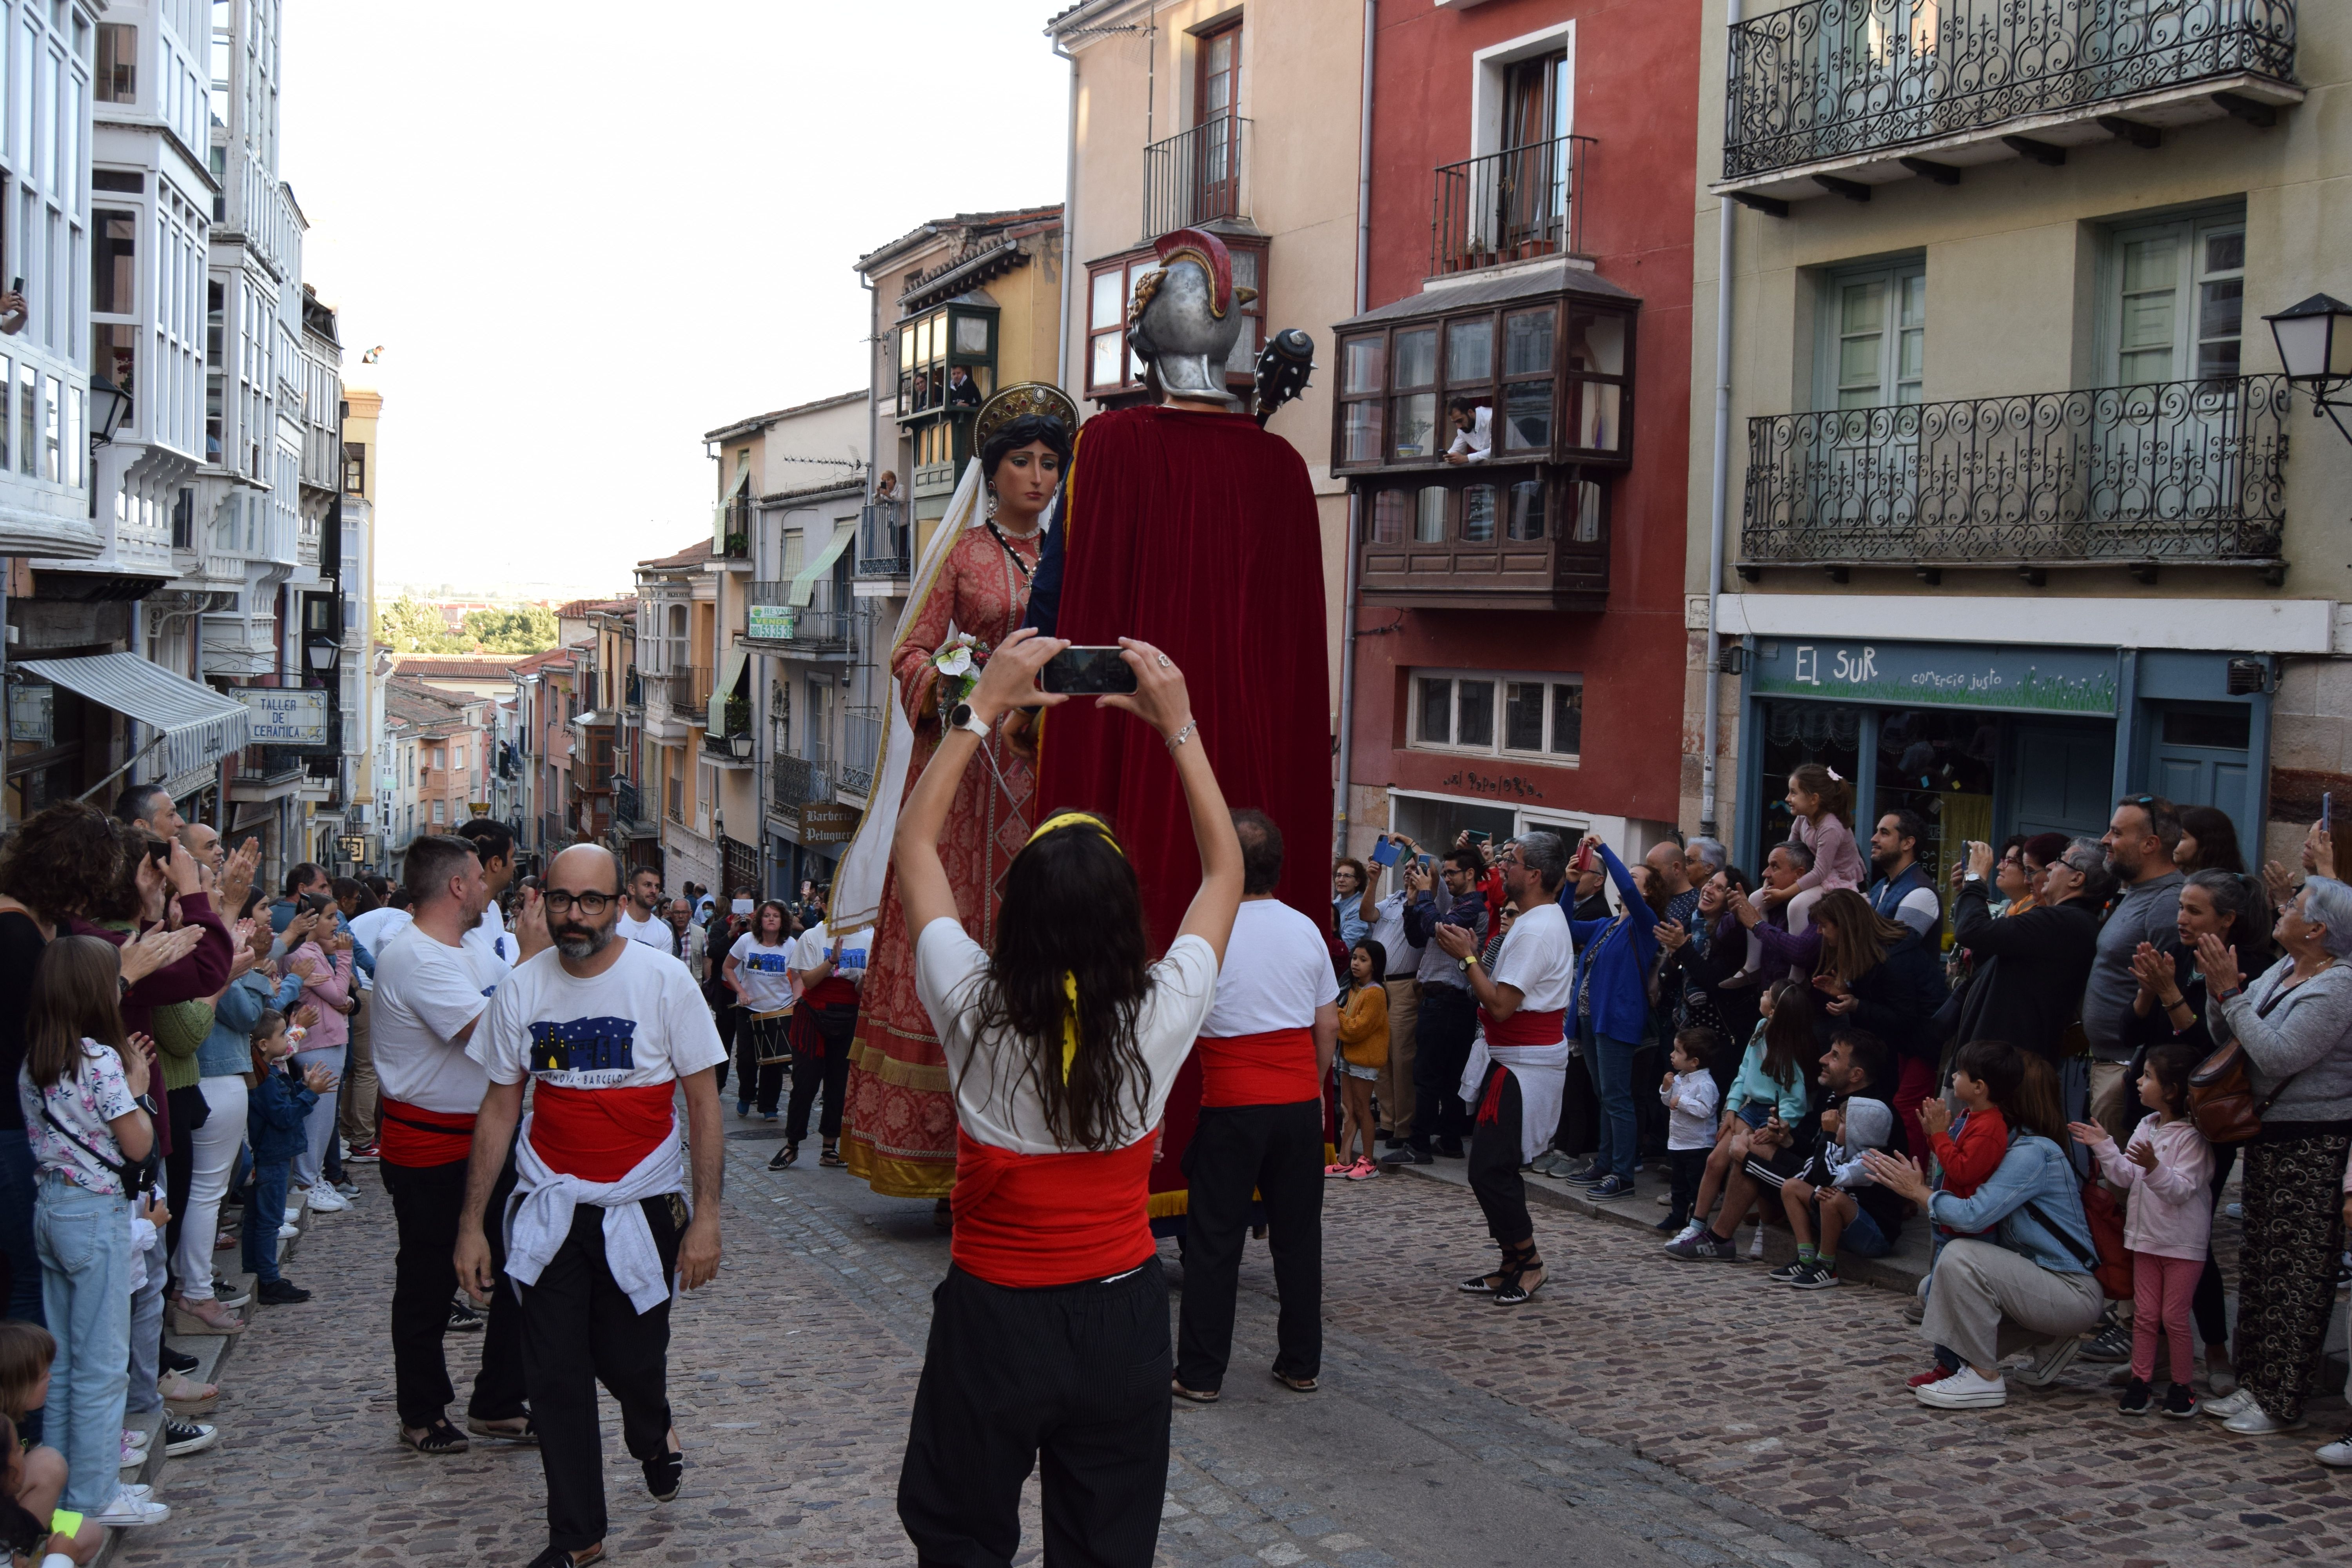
835	992
414	1136
1276	1068
599	1134
1523	1027
1027	1221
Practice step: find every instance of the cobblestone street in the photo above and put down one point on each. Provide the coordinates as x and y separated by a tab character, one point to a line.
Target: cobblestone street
1637	1412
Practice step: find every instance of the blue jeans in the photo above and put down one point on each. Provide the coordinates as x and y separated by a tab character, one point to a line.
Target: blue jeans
1613	1080
85	1244
265	1210
1862	1238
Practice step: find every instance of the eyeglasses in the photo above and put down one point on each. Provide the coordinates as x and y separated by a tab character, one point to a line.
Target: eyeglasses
558	900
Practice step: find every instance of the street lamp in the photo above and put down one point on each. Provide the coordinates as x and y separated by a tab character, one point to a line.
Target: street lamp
110	410
741	744
2314	344
322	651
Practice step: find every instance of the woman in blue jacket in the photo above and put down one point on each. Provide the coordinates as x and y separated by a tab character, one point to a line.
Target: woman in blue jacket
1614	960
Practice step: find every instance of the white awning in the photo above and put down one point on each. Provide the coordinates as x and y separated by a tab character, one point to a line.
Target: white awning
200	725
804	583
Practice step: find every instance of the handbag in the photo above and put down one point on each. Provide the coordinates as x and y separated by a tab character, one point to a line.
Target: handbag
2221	1091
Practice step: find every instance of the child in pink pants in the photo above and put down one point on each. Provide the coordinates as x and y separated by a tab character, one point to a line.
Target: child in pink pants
2169	1222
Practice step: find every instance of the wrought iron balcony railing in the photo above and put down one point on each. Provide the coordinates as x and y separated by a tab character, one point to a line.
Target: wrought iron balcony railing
687	690
807	632
1829	78
882	548
1196	177
1512	205
2184	471
628	805
799	781
861	746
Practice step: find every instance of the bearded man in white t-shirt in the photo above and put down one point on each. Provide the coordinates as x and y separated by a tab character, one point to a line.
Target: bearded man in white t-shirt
640	917
598	1227
1263	1053
1518	1061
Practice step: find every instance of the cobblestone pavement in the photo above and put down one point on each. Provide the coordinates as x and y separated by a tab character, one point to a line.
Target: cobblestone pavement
1637	1412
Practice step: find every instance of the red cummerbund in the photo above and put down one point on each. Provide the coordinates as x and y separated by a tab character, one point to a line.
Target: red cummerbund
1276	1068
414	1136
599	1134
1524	1028
1026	1221
835	992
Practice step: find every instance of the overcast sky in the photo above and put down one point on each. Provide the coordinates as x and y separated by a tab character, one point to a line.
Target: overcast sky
586	232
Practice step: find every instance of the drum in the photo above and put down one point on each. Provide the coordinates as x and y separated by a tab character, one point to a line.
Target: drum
772	1036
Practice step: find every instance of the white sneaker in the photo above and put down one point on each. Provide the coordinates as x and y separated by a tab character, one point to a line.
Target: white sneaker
2236	1404
288	1231
1964	1389
326	1200
129	1513
2050	1361
2335	1456
2254	1421
1756	1247
133	1438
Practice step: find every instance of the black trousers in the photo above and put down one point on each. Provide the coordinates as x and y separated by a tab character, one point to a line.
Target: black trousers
1442	1039
1276	1150
1689	1169
1073	1378
579	1329
821	1041
1578	1131
1495	1153
762	1085
2210	1305
189	1110
426	1201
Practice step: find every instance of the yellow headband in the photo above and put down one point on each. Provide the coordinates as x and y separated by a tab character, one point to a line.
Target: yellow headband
1074	820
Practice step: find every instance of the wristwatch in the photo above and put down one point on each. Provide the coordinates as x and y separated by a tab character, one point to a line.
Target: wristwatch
962	717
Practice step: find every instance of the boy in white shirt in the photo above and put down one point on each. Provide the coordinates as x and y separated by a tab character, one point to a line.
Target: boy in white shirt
1692	1099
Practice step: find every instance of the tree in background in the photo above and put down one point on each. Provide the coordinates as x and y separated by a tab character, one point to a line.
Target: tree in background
411	626
527	630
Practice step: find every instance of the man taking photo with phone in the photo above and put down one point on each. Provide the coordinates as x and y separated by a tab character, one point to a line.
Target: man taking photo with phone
1449	1017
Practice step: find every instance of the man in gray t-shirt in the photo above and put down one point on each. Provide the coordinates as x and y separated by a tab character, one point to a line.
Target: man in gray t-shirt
2139	844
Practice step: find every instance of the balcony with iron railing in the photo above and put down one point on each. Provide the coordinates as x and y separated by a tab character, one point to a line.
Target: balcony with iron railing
2184	473
861	748
1519	205
633	690
798	630
1835	96
883	549
796	782
735	530
686	689
628	805
1197	178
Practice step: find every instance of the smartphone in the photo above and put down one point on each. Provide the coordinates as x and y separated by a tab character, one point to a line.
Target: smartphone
1427	861
16	286
2327	811
1086	671
1479	836
160	851
316	900
1385	852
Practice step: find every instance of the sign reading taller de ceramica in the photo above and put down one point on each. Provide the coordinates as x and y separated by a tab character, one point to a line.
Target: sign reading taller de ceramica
281	717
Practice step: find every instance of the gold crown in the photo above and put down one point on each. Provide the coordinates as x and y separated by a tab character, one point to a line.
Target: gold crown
1019	400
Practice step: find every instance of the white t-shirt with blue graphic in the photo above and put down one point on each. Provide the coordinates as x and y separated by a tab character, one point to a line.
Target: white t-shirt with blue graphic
764	974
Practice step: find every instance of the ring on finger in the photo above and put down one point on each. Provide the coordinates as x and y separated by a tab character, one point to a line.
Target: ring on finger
1162	658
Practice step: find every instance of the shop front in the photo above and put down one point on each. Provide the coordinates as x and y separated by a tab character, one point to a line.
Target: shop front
1984	740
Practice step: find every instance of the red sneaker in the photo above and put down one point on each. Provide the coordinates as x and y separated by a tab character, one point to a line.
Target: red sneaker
1935	1373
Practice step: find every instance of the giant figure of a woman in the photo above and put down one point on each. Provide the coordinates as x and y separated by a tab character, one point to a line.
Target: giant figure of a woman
899	1131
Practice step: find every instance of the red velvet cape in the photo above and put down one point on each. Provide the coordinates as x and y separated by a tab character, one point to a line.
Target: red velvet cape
1197	532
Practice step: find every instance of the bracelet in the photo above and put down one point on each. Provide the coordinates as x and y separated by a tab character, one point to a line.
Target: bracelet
2226	995
1182	735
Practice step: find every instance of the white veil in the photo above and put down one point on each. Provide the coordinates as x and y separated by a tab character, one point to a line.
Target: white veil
857	883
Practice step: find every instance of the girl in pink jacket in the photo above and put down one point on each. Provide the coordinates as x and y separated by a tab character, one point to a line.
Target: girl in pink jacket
1822	806
2169	1225
326	983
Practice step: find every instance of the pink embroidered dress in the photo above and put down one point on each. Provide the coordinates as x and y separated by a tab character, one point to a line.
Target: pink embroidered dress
900	1132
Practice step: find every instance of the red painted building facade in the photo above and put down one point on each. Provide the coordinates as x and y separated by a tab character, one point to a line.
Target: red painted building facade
1519	640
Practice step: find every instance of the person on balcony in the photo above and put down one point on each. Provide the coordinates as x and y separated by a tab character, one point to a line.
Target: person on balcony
1474	436
899	1131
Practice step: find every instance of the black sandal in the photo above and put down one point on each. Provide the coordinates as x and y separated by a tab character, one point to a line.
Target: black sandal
1515	1289
1488	1284
785	1157
831	1158
664	1472
556	1557
439	1440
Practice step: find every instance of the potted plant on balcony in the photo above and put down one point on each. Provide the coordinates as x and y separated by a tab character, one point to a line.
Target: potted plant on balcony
737	547
738	716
